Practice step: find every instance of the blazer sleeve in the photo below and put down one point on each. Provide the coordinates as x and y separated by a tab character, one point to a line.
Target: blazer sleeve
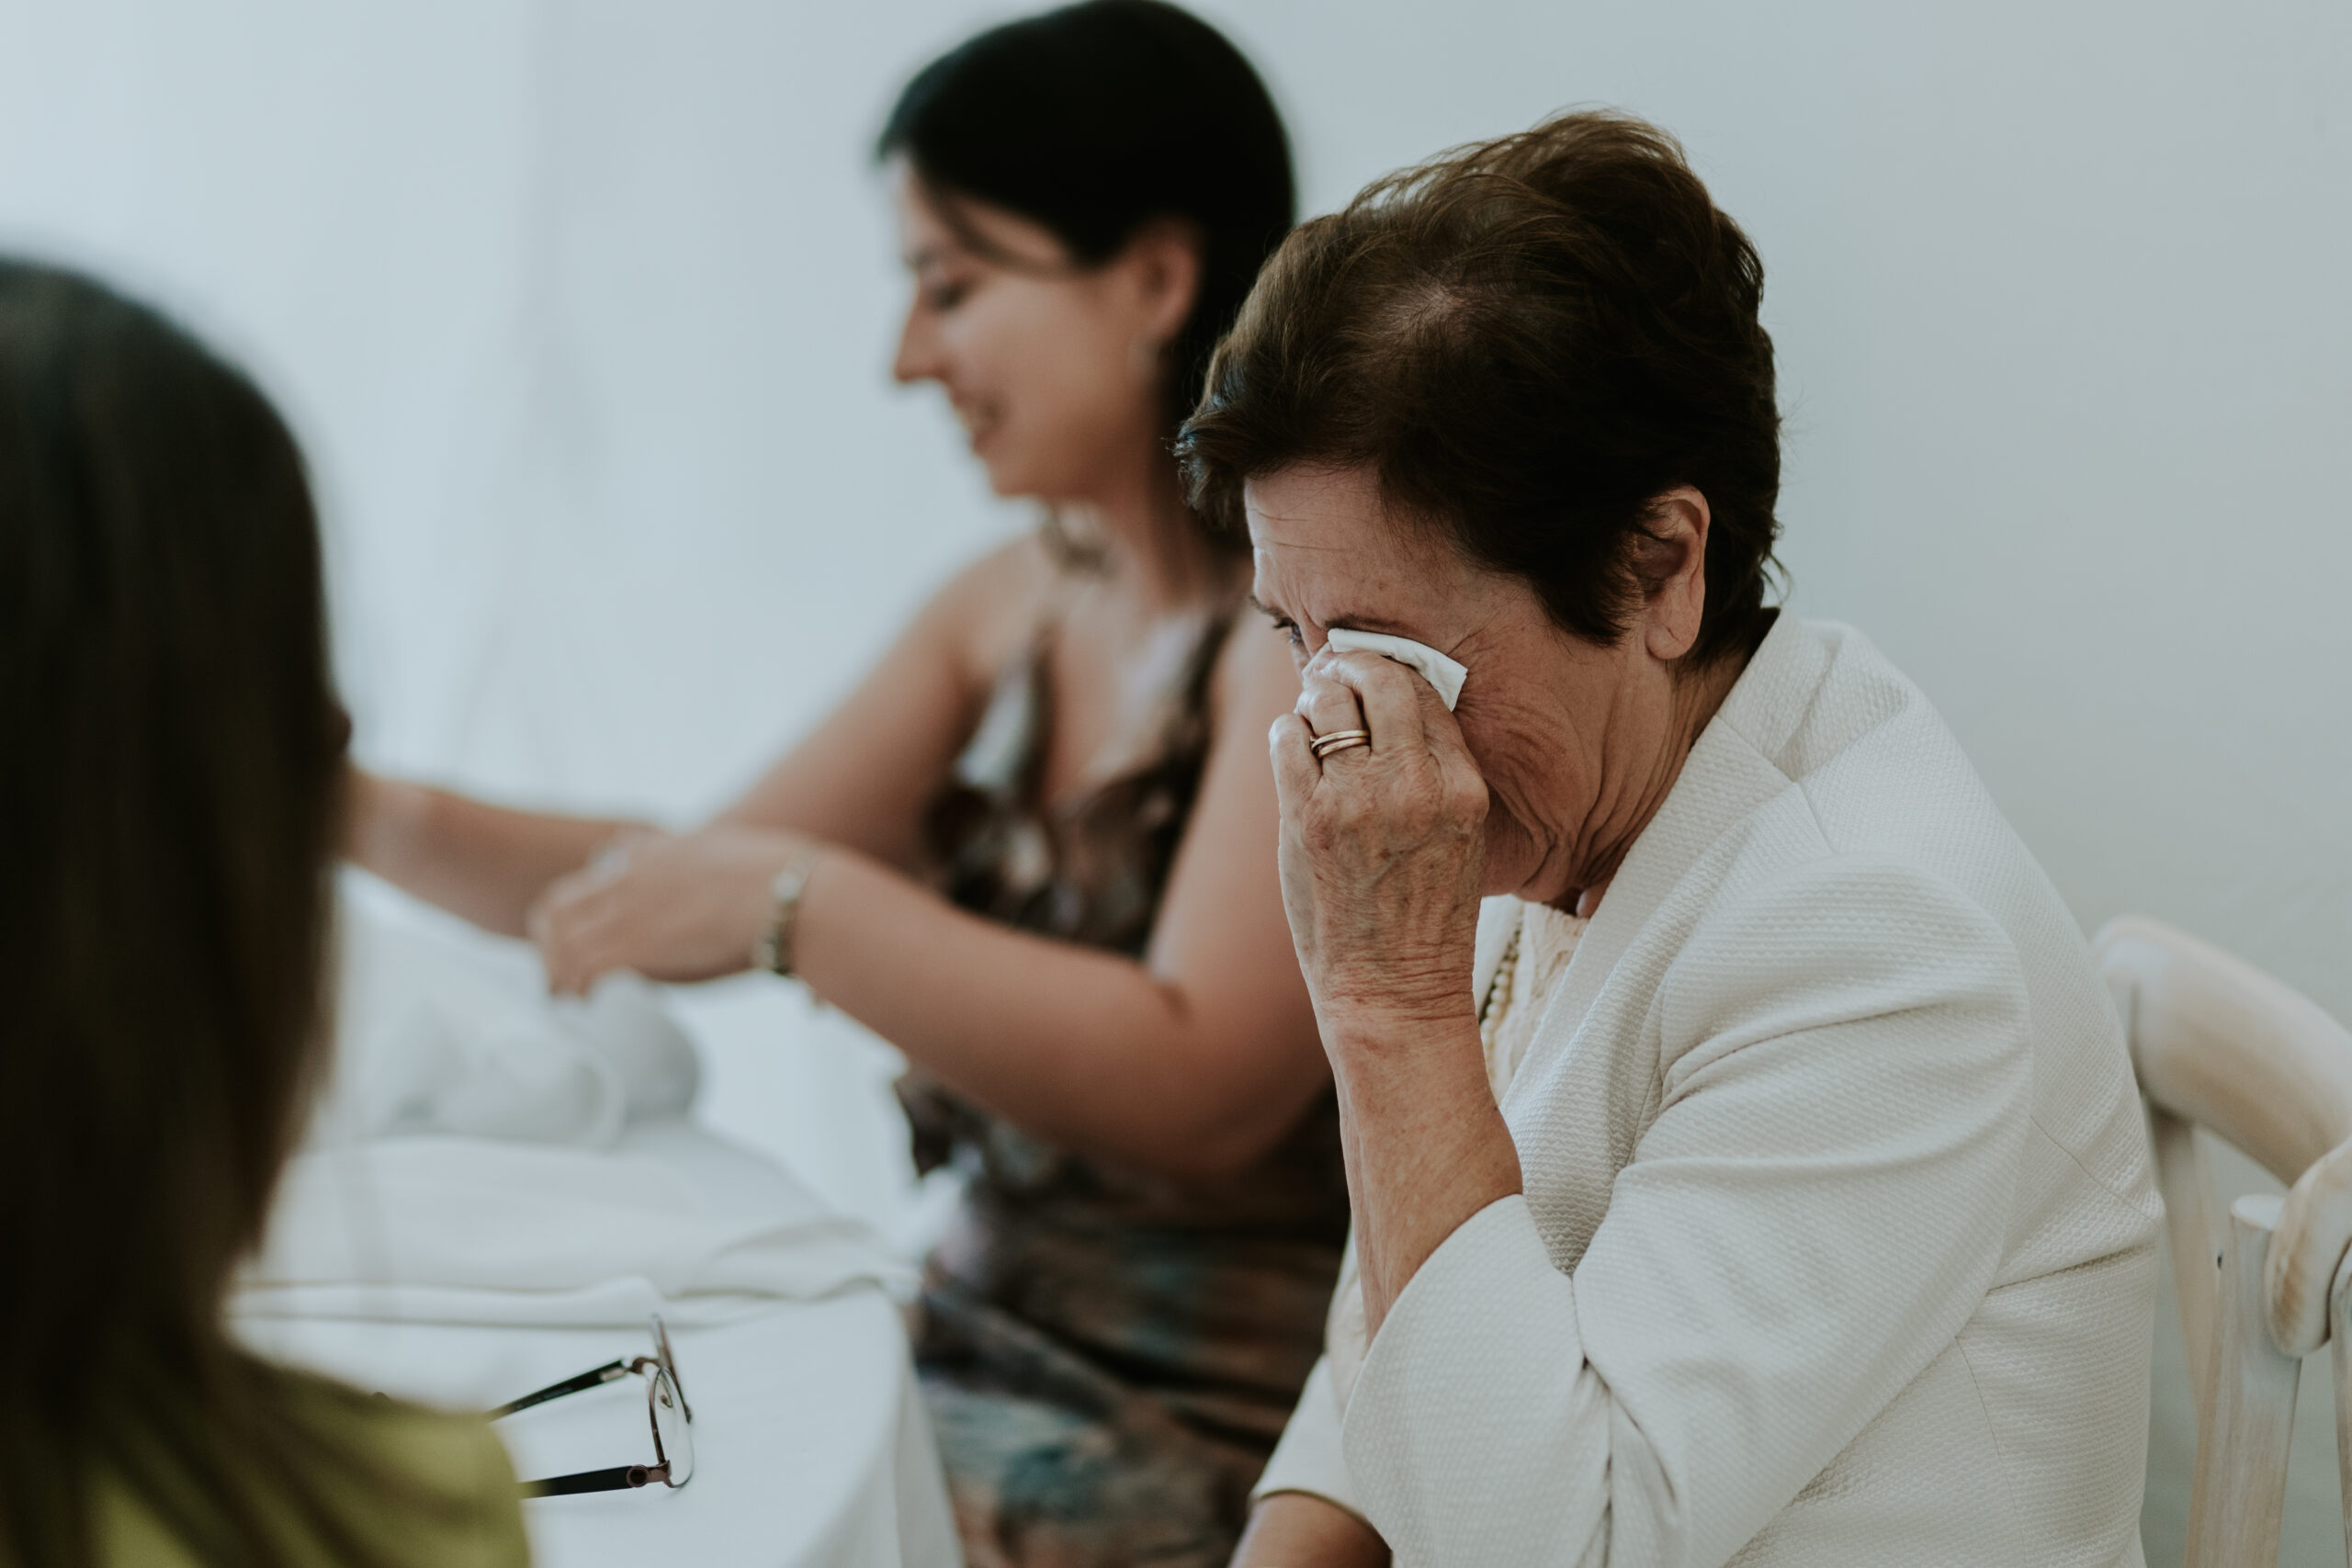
1309	1457
1819	1205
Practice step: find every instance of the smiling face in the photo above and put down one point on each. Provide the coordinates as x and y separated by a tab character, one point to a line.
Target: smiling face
1561	729
1053	368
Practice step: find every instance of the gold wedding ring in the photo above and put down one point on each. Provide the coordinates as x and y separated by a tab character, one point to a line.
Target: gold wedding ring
1339	741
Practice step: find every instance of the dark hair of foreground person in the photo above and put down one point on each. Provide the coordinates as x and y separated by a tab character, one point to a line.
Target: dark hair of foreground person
170	783
1096	118
1528	340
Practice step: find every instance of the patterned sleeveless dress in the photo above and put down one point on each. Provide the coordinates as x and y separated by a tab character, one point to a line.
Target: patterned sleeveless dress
1108	1355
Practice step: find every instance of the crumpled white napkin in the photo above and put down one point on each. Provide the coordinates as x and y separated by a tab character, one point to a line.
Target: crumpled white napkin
488	1154
453	1031
1439	670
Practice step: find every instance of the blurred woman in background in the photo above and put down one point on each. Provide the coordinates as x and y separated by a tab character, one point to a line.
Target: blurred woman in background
1032	849
172	782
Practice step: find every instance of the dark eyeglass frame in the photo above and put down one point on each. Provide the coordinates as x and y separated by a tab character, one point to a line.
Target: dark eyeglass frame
661	1371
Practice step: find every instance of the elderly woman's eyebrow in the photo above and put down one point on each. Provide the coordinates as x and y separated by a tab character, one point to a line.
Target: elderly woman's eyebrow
1349	622
1371	624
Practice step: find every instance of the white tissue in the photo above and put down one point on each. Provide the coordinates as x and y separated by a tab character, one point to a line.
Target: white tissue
1435	668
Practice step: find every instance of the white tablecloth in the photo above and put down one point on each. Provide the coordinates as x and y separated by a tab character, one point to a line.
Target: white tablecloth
811	1450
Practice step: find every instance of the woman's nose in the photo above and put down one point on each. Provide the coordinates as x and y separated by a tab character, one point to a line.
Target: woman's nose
918	355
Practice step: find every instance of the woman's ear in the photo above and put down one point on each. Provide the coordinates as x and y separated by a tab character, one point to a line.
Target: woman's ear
1669	563
1164	258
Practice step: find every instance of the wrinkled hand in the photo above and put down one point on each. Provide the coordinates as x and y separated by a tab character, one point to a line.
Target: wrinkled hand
670	906
1383	848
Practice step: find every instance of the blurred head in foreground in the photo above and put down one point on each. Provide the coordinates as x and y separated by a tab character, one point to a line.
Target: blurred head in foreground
170	784
1084	197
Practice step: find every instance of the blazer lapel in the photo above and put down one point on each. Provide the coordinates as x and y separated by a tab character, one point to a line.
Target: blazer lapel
1728	776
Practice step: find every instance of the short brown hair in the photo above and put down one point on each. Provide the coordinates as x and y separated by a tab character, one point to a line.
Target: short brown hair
1528	341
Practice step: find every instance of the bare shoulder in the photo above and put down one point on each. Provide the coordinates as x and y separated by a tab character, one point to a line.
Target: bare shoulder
988	608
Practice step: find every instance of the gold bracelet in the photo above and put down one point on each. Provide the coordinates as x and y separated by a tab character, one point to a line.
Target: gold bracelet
773	951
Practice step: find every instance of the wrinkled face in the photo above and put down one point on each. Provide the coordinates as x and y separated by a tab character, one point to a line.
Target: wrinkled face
1327	554
1053	369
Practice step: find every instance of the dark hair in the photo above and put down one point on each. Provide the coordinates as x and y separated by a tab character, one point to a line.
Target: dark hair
170	788
1096	118
1528	340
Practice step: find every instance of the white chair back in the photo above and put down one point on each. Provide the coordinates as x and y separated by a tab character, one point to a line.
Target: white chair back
2217	1043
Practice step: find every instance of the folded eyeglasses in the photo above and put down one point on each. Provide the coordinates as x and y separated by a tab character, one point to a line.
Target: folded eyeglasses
666	1406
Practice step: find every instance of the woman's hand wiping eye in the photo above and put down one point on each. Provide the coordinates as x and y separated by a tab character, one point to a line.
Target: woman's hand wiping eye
1383	845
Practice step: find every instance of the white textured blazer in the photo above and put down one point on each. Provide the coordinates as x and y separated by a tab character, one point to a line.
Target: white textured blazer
1837	1243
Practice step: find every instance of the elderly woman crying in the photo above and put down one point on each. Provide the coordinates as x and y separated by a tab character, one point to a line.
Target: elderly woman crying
1744	1155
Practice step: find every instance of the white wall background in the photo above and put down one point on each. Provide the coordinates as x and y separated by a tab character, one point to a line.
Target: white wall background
583	311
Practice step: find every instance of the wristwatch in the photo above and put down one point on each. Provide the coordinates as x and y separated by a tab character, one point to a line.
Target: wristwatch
773	951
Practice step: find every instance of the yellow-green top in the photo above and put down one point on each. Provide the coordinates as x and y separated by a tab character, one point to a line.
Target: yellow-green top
443	1491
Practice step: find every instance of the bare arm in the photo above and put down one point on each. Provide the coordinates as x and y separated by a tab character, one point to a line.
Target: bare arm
1298	1530
486	863
1195	1061
859	779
